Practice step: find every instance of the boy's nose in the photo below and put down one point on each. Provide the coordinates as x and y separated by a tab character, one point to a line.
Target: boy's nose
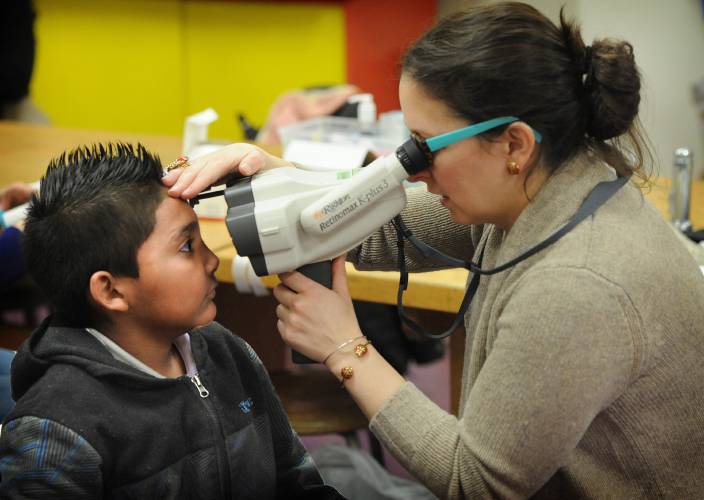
211	261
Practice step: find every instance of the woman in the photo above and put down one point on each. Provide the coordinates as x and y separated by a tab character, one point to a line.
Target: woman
583	370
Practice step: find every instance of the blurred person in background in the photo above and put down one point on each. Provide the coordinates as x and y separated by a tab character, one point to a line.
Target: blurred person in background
12	265
17	48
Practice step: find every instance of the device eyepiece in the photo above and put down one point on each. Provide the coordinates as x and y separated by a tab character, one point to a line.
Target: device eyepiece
414	155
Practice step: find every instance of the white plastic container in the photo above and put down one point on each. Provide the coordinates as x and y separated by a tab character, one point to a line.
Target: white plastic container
338	130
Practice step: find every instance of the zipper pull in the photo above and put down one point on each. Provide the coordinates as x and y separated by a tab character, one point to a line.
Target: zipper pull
204	393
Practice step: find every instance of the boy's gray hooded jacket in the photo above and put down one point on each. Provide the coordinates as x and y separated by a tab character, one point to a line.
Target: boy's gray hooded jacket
89	426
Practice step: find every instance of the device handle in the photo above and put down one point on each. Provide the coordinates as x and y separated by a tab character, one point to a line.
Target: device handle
320	272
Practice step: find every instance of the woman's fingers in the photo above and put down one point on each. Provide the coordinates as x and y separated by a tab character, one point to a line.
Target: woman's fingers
284	295
202	174
282	312
281	327
212	168
252	162
312	319
207	174
171	177
296	281
339	276
185	178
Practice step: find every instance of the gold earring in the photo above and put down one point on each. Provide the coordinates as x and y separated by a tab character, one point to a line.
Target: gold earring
513	167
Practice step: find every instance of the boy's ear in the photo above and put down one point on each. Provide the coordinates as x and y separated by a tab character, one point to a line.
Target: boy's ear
105	291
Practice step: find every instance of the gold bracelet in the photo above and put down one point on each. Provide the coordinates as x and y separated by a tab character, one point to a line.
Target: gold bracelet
343	345
347	371
361	349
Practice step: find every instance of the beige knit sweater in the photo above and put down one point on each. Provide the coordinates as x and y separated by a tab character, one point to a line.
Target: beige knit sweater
584	365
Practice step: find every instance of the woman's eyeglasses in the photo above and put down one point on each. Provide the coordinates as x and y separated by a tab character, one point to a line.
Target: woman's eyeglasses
433	144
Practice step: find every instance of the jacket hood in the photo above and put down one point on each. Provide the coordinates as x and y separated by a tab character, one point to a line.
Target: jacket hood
56	343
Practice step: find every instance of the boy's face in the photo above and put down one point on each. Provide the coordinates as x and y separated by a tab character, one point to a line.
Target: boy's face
176	285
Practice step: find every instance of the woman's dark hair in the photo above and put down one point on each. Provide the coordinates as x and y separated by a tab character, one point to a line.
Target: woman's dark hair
95	208
509	59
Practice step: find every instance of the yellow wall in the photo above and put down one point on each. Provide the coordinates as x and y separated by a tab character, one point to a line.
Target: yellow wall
142	66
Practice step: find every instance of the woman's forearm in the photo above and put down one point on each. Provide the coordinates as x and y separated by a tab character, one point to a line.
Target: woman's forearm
430	222
374	381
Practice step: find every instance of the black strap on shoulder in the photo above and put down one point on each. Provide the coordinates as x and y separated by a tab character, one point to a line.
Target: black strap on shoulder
597	197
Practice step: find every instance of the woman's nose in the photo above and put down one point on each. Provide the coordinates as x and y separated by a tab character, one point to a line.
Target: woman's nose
422	176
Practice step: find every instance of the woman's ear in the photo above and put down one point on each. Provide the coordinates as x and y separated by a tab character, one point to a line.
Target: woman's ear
106	293
521	142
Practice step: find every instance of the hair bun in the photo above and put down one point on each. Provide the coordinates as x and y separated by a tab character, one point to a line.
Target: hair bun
612	86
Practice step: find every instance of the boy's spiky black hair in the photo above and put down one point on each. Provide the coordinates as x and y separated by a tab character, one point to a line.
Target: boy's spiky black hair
95	207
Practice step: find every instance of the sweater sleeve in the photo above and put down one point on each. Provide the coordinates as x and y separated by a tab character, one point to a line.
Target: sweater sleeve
558	360
429	221
40	458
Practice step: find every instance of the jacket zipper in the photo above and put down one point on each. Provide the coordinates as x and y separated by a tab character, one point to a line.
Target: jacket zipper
204	393
220	443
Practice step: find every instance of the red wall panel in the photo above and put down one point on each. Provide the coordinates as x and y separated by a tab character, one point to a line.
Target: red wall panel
378	32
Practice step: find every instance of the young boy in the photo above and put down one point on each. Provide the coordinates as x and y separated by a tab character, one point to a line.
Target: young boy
114	400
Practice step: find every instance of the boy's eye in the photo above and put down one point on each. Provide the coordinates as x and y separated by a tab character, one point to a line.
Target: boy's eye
187	247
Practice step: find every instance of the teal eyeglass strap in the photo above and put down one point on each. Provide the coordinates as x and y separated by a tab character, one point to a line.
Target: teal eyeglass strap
444	140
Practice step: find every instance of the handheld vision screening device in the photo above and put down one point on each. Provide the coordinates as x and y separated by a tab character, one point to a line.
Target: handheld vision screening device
286	218
291	218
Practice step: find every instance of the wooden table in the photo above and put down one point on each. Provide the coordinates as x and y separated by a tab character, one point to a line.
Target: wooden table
25	151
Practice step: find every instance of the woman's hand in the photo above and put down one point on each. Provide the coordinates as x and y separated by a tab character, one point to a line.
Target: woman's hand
206	171
313	319
15	194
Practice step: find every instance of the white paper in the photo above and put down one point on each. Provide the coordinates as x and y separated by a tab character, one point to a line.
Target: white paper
325	155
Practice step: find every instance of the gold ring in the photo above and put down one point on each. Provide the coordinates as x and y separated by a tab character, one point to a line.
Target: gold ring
181	161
